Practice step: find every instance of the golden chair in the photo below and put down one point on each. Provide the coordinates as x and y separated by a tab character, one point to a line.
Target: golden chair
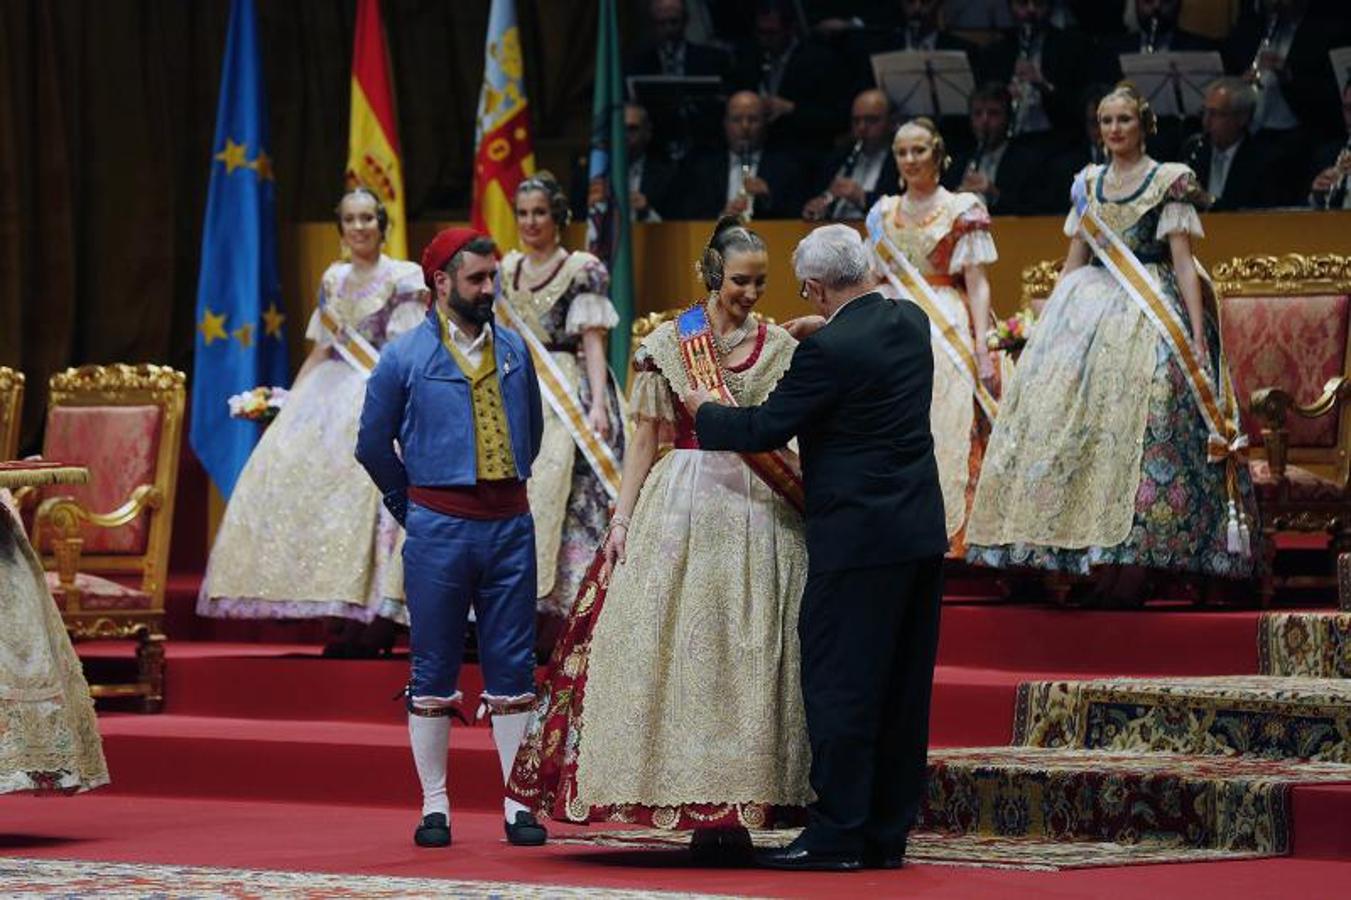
124	423
1287	333
11	411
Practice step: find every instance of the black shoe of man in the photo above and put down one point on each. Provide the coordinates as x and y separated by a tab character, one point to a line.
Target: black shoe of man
434	831
526	831
797	858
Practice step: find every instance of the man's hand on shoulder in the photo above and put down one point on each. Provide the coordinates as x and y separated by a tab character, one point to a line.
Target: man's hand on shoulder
695	398
804	327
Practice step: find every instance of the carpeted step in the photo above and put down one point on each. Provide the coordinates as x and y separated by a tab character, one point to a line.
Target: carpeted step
1307	644
1213	802
1252	715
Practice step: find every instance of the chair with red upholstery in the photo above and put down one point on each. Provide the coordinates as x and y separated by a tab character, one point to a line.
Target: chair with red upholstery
105	544
11	411
1285	325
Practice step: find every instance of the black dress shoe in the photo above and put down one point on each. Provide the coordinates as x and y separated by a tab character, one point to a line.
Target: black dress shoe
721	847
892	857
799	858
434	831
526	831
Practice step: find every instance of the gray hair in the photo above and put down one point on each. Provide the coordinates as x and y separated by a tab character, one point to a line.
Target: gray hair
1240	96
833	255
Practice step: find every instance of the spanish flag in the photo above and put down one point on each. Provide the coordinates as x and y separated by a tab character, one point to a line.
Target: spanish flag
505	153
373	140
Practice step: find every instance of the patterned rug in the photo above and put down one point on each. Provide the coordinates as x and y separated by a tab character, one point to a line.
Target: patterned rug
1306	644
1257	715
1143	798
69	879
973	850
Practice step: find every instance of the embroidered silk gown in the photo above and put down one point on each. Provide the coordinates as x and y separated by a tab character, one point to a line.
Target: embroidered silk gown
567	499
956	235
1099	454
305	533
49	738
673	697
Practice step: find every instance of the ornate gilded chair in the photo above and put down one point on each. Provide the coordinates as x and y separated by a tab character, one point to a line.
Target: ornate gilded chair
11	411
124	423
1038	281
1285	326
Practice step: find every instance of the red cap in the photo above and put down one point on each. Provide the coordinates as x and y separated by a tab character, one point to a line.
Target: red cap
446	244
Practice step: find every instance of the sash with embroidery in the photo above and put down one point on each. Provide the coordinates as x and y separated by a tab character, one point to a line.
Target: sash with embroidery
553	385
351	346
905	278
1225	443
777	468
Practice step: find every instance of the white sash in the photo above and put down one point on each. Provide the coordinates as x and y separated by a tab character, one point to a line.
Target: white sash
350	345
553	386
948	334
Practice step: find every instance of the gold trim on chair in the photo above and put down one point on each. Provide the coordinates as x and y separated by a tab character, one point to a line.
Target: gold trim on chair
1292	274
11	411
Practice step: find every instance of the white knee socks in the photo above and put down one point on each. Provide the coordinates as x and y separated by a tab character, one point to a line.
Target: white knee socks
508	730
430	738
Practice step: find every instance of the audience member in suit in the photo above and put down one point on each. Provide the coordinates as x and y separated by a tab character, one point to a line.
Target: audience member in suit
1044	67
1331	184
1053	192
1234	167
745	176
677	128
1003	170
651	177
856	175
1284	52
793	73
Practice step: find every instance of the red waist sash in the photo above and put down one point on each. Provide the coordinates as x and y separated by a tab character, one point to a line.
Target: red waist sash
487	500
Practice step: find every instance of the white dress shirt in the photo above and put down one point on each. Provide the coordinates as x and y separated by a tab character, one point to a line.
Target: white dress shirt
470	348
735	186
1221	161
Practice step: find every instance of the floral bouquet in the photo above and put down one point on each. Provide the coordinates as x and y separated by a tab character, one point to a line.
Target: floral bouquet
1012	333
258	405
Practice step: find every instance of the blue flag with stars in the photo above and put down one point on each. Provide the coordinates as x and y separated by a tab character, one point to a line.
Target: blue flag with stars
240	342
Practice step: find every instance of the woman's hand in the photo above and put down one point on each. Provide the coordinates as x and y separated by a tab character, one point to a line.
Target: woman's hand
985	367
616	541
598	418
1200	344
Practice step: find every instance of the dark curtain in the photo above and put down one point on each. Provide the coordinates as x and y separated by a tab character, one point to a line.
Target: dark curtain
107	113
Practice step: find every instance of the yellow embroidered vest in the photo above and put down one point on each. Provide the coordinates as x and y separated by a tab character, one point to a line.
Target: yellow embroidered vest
492	438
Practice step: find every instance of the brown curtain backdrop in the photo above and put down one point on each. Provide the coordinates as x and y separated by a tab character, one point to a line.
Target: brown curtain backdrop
107	113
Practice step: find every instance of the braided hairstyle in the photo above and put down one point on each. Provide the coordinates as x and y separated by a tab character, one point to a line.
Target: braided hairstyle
729	236
545	182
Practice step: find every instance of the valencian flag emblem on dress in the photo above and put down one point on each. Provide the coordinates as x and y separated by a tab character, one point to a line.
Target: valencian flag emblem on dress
240	341
373	138
505	154
608	234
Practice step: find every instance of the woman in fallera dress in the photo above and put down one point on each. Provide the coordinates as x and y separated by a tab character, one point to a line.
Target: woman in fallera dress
562	299
1099	461
682	646
49	739
945	238
305	534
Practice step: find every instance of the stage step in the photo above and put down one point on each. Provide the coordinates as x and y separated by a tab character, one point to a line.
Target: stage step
1313	644
1248	715
1221	803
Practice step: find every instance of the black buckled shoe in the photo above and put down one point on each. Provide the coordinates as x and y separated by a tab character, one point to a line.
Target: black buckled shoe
433	831
526	831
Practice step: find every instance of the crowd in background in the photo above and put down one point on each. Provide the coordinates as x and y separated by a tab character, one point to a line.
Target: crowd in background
799	128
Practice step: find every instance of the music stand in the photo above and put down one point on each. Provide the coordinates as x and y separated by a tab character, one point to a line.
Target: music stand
684	110
932	83
1173	83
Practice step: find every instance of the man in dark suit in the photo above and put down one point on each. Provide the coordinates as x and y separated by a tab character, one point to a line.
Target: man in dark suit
857	397
650	176
680	123
1004	171
745	175
855	176
1044	66
1331	171
1159	33
1233	166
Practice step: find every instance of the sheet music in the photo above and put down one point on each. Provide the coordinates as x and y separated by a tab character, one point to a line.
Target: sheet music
1173	83
925	82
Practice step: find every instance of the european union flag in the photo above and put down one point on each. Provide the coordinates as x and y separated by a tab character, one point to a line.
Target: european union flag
240	343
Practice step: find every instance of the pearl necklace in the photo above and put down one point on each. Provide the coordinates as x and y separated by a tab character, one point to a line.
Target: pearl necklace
733	339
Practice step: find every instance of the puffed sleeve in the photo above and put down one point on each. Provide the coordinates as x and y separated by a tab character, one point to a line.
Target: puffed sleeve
1071	227
409	303
650	396
1180	204
316	332
591	306
975	246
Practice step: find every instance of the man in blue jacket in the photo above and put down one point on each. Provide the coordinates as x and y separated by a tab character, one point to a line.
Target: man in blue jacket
460	398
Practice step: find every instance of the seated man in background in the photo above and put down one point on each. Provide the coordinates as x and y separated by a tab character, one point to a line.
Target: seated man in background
1332	163
1044	68
666	52
650	176
1004	171
856	175
745	177
1234	167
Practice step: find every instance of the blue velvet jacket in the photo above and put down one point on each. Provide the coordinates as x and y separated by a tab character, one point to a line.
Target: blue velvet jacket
418	396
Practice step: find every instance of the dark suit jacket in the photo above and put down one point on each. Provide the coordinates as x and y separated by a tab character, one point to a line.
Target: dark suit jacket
659	177
857	397
1250	184
1311	88
1064	63
888	180
821	100
1020	179
702	185
699	60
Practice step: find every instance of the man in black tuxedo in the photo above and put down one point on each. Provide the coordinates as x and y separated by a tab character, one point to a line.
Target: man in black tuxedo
745	176
855	176
650	176
857	397
1044	66
679	123
1233	166
1006	172
1159	33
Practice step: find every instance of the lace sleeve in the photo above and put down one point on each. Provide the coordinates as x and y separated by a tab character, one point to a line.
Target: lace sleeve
405	316
975	248
588	311
316	332
1178	217
650	397
1071	223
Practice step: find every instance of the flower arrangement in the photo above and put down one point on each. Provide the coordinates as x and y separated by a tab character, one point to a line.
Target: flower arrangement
258	405
1012	333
